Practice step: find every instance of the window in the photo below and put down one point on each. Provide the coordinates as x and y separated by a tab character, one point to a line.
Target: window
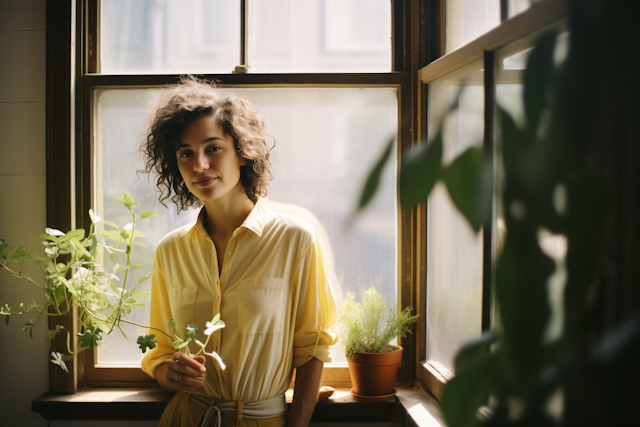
292	56
486	43
336	117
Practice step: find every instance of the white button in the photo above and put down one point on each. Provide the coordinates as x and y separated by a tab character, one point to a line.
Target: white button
230	253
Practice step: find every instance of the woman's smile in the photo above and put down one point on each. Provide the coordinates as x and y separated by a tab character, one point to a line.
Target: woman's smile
205	181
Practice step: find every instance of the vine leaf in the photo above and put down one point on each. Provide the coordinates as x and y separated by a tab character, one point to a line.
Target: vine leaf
147	342
469	183
420	170
371	184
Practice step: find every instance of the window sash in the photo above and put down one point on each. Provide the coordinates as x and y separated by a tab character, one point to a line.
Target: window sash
517	32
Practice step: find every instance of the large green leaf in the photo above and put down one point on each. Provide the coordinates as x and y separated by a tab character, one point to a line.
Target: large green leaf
420	170
469	183
468	390
537	79
371	185
474	350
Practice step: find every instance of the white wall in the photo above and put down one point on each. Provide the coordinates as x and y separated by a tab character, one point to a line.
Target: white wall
23	362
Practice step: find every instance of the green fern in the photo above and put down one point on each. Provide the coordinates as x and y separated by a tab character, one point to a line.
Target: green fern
366	329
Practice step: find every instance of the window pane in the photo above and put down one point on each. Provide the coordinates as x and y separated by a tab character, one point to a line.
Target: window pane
163	36
469	19
326	141
454	251
320	36
517	6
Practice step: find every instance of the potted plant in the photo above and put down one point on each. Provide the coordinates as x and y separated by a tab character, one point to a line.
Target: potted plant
367	331
72	275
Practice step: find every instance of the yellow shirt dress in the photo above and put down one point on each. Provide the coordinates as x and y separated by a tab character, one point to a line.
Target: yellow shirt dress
274	294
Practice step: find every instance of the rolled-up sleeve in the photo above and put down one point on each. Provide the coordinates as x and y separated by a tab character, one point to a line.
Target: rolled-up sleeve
160	313
316	310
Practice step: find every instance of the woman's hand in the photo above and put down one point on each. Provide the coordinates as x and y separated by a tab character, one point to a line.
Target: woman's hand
183	372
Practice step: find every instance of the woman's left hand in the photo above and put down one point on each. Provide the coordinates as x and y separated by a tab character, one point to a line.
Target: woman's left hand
183	372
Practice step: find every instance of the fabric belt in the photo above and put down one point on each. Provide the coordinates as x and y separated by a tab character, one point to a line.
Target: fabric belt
260	410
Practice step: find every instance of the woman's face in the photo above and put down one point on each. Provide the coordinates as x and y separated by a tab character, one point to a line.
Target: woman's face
208	162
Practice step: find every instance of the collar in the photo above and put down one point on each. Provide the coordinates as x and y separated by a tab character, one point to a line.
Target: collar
255	221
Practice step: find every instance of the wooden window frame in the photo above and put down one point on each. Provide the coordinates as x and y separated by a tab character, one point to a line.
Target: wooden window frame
72	65
524	26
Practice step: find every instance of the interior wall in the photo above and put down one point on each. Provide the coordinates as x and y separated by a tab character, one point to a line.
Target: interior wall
23	361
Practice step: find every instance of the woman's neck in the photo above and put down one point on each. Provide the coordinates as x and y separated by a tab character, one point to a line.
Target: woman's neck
226	214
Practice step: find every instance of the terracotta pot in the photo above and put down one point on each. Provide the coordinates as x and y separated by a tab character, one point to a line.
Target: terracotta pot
374	374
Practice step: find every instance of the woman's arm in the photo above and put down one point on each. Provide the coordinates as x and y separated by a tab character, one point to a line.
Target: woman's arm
305	392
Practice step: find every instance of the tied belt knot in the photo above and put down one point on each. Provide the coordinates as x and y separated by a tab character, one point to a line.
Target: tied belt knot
260	410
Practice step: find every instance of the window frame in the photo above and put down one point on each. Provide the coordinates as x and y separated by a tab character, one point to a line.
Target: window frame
70	173
524	26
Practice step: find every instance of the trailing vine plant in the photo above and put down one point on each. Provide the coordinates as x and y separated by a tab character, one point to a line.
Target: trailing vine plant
72	275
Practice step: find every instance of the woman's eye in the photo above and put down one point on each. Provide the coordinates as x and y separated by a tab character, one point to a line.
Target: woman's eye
184	154
214	149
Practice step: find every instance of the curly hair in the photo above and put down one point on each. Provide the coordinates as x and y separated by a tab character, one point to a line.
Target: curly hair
181	105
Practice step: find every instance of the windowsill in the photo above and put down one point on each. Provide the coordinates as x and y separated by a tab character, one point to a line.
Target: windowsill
412	406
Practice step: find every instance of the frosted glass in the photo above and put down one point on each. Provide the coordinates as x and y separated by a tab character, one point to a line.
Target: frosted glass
293	36
518	6
326	141
203	36
454	251
163	36
469	19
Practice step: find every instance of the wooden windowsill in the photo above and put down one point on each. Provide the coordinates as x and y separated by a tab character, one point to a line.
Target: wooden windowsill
412	406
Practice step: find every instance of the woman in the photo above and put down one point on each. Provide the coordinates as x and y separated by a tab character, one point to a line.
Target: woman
264	272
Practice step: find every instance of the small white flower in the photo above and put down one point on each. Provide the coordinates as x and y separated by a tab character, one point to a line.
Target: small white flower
57	360
212	327
53	232
82	273
94	218
217	358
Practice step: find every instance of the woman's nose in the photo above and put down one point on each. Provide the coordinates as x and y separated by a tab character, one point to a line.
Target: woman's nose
200	163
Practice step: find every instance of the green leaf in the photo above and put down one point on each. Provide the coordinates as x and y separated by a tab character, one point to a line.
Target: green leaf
147	342
93	246
177	344
75	234
215	319
150	215
191	331
52	333
145	278
537	78
469	390
90	339
475	349
371	184
171	324
420	170
469	183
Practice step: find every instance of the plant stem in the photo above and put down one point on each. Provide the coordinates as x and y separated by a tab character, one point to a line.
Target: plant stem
145	326
21	276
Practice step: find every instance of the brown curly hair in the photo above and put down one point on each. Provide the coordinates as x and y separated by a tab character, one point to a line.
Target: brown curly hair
186	102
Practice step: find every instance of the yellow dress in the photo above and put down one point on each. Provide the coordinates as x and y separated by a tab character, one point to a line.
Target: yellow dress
274	294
